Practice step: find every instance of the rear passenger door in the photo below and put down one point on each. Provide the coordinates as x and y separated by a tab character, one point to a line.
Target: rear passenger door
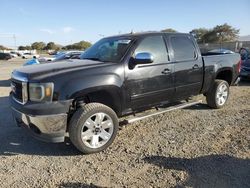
188	66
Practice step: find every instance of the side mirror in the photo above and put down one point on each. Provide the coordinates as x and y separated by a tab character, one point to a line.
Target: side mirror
144	58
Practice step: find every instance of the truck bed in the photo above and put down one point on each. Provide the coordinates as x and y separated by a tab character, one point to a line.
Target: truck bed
212	63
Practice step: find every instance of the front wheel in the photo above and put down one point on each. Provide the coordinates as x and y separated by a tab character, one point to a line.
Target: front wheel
93	128
218	94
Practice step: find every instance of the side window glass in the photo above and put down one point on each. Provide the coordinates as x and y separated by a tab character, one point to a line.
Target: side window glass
154	45
183	48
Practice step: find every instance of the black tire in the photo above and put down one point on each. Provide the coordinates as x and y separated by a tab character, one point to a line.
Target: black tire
77	123
211	95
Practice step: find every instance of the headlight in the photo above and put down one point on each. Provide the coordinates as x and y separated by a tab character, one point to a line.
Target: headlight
41	91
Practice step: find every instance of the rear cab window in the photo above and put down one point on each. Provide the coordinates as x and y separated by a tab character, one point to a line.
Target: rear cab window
183	48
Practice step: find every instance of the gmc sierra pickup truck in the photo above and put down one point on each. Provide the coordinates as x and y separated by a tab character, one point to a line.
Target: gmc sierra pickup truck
117	76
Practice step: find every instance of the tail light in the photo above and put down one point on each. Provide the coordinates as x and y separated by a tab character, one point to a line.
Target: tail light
239	66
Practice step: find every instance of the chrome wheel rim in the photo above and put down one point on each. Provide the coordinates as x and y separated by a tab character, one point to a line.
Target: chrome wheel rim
97	130
222	94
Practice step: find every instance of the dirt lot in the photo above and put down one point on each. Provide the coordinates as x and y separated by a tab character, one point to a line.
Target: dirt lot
193	147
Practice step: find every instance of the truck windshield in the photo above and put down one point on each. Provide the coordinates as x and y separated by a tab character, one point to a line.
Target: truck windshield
107	50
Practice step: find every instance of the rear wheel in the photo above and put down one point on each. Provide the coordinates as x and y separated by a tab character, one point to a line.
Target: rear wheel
218	94
93	128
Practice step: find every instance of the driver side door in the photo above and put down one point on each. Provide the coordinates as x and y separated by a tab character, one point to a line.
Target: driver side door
150	84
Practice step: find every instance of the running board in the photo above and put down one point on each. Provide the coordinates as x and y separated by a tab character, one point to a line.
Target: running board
162	110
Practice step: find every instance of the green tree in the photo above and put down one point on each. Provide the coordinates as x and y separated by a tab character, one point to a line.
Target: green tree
28	47
226	33
169	30
218	34
199	34
21	48
82	45
38	45
52	46
24	48
2	47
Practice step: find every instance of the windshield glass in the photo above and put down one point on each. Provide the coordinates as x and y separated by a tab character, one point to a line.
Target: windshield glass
107	50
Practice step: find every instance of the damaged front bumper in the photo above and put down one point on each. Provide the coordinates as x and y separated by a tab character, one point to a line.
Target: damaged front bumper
48	128
45	121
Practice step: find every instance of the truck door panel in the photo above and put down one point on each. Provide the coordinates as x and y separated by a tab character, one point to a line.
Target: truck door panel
149	84
188	66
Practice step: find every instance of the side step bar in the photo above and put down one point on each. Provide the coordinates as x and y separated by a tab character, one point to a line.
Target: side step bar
162	110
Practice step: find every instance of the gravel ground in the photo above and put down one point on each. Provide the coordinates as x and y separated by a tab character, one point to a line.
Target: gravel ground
192	147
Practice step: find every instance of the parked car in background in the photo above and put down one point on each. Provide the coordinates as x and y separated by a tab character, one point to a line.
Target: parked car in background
29	56
59	57
245	66
13	54
68	55
62	55
219	51
5	56
46	59
51	58
53	52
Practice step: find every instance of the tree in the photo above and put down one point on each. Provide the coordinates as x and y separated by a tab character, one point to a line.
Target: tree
169	30
2	47
21	48
52	46
218	34
24	48
199	34
226	33
28	47
38	45
82	45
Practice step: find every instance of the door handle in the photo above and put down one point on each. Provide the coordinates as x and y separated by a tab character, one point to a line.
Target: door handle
166	71
195	66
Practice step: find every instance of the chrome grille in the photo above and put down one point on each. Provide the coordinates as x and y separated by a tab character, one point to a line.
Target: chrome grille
19	88
17	91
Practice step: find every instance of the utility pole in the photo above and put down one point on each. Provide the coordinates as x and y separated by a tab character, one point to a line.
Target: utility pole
9	35
14	36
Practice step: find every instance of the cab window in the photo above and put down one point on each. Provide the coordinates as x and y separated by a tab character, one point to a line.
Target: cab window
154	45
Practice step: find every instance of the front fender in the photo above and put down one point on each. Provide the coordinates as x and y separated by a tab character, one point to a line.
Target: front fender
76	87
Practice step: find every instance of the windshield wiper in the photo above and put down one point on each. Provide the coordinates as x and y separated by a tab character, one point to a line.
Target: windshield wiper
92	58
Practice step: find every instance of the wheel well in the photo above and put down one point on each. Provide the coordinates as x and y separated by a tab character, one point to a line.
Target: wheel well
107	98
225	75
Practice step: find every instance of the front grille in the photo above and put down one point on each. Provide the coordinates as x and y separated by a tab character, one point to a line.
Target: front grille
17	91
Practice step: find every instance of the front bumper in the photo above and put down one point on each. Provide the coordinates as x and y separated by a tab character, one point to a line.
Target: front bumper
48	128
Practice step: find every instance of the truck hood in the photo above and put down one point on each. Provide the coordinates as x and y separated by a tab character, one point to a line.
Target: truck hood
42	70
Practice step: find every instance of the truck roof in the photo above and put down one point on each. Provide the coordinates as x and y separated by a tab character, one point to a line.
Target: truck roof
139	34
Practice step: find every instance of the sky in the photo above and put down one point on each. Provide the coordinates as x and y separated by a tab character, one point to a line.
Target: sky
66	22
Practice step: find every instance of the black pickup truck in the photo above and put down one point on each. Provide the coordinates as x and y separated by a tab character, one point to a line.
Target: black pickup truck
117	76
